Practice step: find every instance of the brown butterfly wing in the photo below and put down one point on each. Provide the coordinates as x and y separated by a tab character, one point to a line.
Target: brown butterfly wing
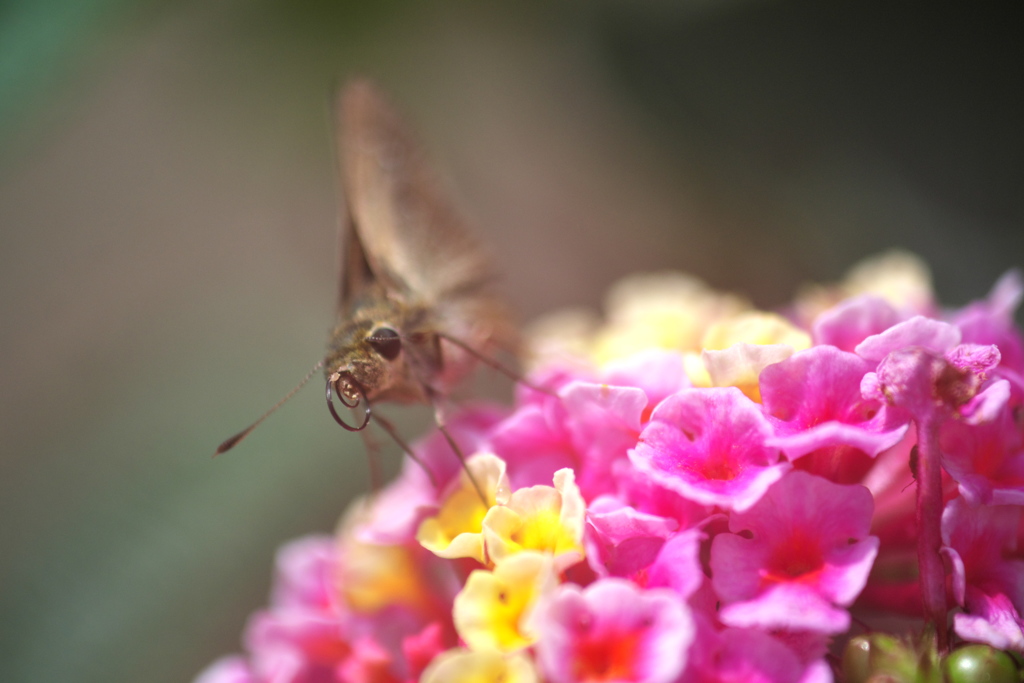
413	240
402	234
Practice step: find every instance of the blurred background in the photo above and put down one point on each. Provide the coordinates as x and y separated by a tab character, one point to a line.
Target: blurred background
167	232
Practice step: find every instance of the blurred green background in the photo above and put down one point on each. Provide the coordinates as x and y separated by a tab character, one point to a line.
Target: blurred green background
167	218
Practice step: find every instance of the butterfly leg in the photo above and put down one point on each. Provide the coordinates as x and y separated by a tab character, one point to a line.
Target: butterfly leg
372	459
386	425
439	420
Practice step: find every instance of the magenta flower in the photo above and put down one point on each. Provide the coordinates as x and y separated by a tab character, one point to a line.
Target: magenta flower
612	631
991	321
305	632
708	445
227	670
814	402
852	321
807	557
988	572
750	656
622	541
604	422
986	460
657	372
643	548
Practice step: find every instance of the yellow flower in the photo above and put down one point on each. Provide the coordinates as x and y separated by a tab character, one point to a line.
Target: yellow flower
741	365
754	327
660	310
899	277
455	531
464	666
736	349
493	606
541	518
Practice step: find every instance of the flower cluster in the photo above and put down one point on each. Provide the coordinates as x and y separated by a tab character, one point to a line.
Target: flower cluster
700	492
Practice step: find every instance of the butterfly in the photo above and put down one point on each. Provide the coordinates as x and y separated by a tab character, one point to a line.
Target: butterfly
416	302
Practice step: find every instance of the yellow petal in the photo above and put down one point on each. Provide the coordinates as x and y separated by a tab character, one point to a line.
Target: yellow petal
660	310
740	365
755	327
491	611
542	518
455	531
900	277
464	666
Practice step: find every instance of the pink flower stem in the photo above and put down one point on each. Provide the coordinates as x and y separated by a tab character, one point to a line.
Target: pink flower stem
929	529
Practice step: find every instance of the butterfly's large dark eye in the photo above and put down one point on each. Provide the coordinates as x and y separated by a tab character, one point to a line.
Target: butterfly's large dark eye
386	342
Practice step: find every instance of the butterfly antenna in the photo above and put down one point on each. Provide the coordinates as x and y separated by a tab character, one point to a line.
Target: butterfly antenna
228	444
503	369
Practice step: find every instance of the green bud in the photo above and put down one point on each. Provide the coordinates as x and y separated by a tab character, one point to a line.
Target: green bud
980	664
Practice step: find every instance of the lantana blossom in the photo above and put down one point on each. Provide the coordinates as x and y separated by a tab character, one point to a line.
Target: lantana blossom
612	631
988	572
814	402
691	490
709	446
457	528
807	556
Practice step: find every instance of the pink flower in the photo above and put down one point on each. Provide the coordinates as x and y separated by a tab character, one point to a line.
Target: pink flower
991	321
988	567
986	460
749	656
813	400
644	548
638	490
919	331
932	386
226	670
612	631
850	322
535	440
657	372
808	554
604	423
622	541
708	445
306	630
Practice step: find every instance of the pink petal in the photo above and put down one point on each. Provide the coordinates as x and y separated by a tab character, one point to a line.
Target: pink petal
987	403
933	335
612	631
735	654
787	606
227	670
805	539
708	446
986	460
622	541
992	620
991	321
853	320
659	373
533	445
306	574
604	423
815	401
677	565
